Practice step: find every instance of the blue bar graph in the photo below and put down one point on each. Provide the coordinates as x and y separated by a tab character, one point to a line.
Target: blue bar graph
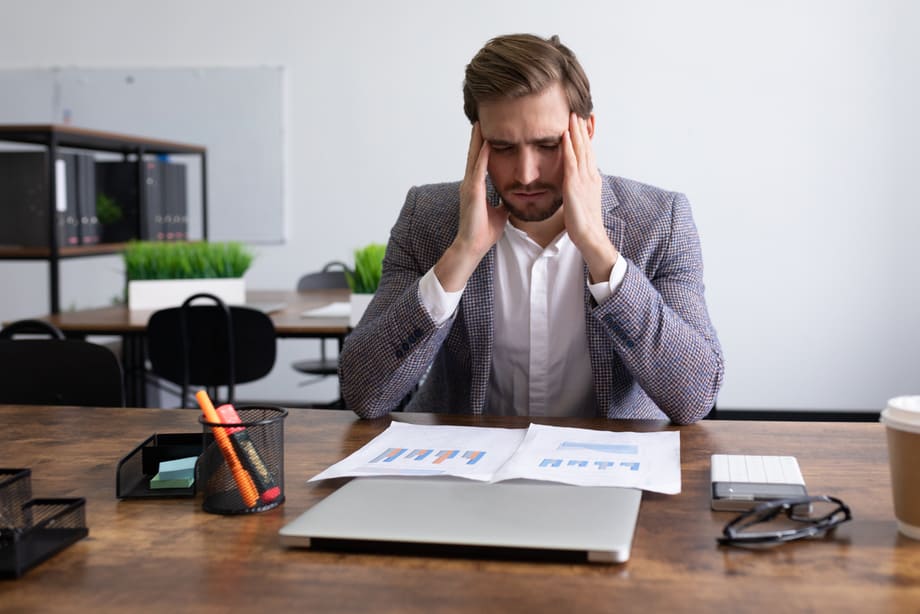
445	455
389	455
612	448
474	456
419	454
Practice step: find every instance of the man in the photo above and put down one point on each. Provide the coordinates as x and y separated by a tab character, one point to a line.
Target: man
537	286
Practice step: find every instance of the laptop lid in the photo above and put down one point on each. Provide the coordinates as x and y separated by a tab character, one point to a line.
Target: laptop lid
453	515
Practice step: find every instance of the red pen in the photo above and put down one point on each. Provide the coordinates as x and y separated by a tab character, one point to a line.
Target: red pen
249	456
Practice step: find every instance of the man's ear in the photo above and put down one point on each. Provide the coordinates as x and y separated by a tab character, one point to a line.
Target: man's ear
590	125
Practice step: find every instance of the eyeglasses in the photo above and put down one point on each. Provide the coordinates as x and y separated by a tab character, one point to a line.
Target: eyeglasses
784	520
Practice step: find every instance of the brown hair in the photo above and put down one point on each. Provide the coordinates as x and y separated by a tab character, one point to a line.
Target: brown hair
521	64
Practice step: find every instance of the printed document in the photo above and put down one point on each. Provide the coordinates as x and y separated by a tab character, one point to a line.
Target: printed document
584	457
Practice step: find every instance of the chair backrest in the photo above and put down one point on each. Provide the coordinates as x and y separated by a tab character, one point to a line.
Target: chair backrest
31	327
331	277
210	345
58	372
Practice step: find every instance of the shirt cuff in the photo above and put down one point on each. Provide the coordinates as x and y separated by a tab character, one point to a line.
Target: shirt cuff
439	303
603	290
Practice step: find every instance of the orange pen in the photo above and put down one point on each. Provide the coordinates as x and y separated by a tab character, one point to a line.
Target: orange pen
242	478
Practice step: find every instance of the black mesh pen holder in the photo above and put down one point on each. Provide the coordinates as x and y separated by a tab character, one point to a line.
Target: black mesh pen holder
242	468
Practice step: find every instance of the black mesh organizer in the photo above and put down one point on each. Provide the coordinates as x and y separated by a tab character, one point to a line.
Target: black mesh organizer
264	461
137	468
33	530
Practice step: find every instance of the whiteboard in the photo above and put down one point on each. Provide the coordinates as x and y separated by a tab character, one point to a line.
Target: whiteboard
236	113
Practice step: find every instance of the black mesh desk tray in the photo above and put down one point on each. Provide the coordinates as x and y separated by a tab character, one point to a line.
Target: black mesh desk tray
32	530
137	468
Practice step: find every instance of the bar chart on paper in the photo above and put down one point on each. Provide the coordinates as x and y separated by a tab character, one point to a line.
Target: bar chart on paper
409	449
419	455
587	457
583	457
569	457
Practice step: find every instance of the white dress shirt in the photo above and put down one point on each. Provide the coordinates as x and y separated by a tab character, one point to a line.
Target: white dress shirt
540	360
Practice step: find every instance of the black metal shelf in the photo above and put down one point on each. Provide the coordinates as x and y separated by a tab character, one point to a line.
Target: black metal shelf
53	137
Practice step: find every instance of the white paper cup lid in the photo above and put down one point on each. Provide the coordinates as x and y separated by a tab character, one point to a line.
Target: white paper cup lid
902	413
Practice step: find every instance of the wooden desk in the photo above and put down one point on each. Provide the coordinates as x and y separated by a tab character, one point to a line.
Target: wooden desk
167	555
119	320
131	326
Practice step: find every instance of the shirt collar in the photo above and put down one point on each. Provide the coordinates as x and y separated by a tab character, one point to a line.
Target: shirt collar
519	239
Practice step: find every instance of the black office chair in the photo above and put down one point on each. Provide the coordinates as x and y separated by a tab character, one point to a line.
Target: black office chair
331	277
32	327
210	345
56	371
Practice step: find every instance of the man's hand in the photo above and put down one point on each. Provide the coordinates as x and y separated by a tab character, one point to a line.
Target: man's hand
481	225
581	193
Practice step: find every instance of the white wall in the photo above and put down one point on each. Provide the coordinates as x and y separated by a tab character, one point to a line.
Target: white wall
790	125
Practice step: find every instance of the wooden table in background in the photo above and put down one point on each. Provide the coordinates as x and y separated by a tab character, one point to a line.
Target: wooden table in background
118	320
167	555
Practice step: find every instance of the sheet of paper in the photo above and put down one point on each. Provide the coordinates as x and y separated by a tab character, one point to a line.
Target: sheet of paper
587	457
410	449
339	309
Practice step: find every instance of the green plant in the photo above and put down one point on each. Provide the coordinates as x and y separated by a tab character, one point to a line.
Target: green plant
108	211
368	268
181	260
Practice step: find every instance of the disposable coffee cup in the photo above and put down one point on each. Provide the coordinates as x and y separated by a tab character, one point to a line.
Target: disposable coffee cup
902	421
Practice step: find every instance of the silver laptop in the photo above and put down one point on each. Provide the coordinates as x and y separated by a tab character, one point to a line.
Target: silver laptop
443	515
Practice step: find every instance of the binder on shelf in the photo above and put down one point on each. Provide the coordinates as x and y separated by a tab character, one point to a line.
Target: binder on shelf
153	224
24	200
65	206
86	199
175	201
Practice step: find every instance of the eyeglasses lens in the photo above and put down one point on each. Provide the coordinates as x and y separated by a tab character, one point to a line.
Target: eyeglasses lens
785	521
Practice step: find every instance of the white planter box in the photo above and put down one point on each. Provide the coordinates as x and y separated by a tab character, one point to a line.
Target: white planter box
359	303
162	293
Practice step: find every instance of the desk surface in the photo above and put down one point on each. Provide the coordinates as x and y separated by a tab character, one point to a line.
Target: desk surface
119	320
168	555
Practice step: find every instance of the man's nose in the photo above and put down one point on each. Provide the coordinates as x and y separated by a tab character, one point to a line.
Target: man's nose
527	168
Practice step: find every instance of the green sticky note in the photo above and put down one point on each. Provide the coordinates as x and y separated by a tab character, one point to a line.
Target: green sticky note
179	473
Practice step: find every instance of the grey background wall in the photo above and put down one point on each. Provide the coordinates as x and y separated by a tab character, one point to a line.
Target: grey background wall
202	106
790	125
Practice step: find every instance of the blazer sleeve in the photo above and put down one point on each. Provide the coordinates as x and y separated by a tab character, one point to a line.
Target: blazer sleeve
390	350
659	326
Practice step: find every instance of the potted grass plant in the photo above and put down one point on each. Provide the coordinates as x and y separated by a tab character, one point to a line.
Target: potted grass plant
163	274
364	278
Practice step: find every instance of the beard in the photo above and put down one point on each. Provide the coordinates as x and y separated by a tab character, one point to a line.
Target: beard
532	212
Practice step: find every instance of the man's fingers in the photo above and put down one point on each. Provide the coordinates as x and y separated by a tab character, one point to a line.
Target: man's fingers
590	160
482	162
570	161
475	148
578	142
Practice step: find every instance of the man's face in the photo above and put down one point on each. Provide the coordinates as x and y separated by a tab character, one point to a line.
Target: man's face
526	161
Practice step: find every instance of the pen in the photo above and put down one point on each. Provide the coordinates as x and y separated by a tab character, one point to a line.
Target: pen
248	455
243	480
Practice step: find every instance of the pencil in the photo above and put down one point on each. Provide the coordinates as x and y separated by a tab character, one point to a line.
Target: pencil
243	480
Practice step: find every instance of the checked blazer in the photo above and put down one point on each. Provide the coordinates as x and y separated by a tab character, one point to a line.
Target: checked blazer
654	352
